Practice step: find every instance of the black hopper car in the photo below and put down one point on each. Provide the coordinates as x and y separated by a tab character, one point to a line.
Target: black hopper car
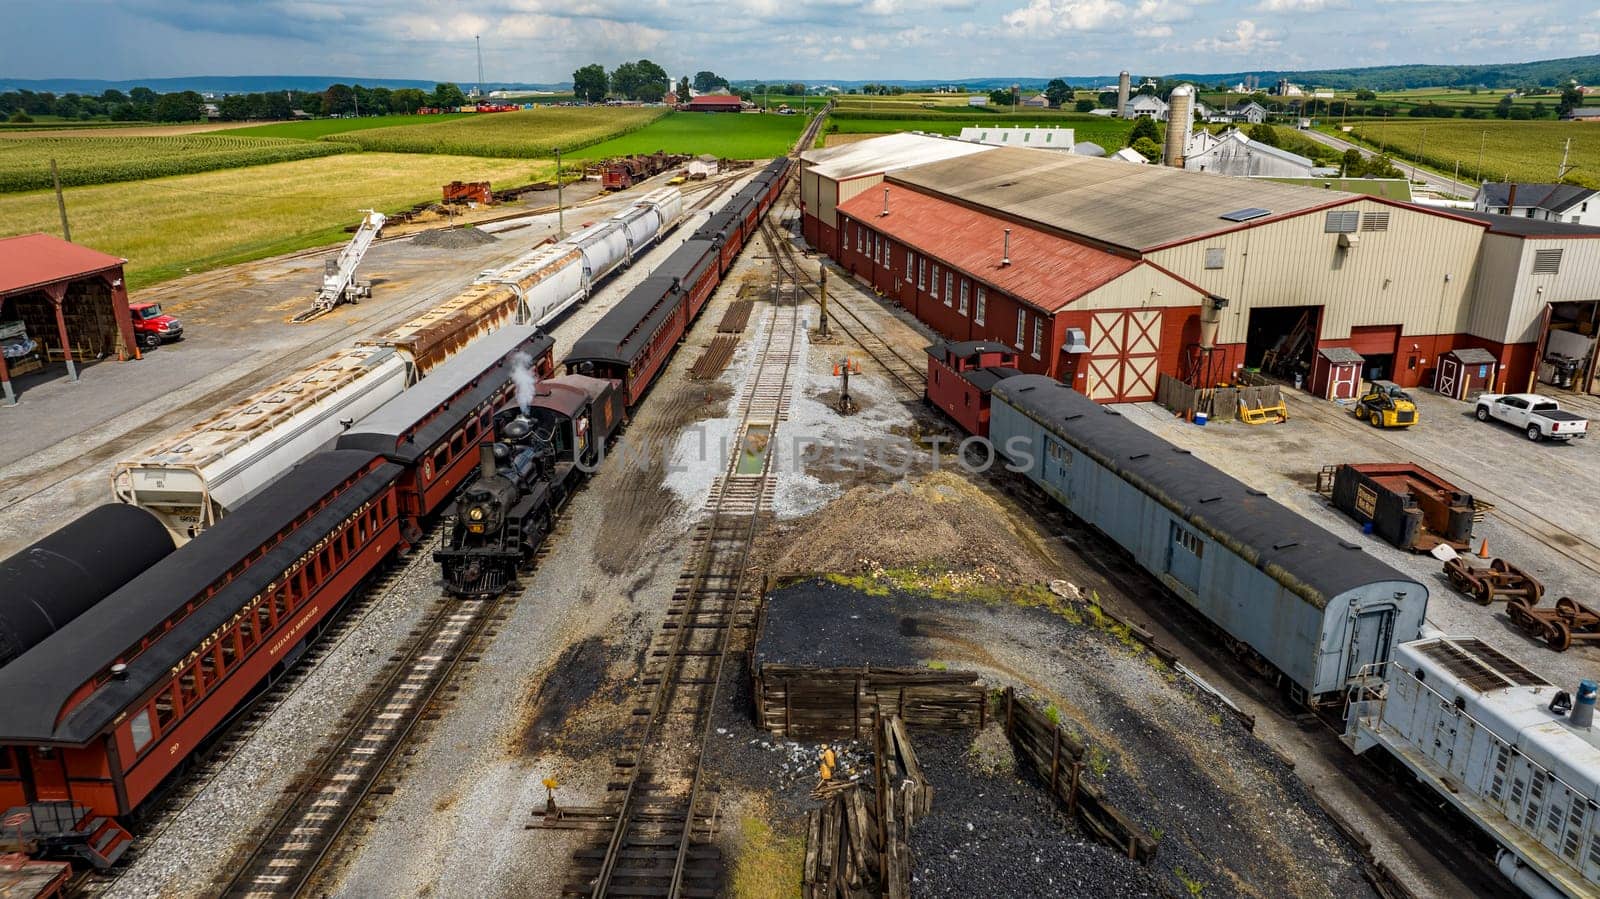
547	444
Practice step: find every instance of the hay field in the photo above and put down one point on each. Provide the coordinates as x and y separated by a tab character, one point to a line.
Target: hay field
533	133
1112	134
196	222
315	128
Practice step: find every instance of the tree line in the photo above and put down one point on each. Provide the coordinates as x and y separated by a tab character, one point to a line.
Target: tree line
142	104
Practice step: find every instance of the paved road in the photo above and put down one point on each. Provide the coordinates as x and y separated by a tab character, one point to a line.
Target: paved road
1434	182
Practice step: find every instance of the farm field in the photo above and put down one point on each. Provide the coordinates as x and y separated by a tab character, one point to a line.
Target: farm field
527	134
25	163
315	128
196	222
1520	150
720	134
1107	132
110	129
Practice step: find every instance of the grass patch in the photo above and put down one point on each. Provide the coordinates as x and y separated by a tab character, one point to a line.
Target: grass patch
25	162
315	128
1522	151
720	134
533	133
768	866
935	665
1190	885
196	222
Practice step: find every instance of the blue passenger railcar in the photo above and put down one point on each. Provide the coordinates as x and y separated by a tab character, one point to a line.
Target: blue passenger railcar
1313	606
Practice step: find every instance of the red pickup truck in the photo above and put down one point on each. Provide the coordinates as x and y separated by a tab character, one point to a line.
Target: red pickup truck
153	327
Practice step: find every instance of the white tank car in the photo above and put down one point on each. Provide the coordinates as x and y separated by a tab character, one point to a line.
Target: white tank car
1507	748
547	280
641	224
193	479
668	201
604	246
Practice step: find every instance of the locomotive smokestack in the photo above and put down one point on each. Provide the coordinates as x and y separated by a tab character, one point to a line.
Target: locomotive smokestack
486	461
527	382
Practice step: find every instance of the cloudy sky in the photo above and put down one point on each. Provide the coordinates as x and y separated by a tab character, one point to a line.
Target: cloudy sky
812	40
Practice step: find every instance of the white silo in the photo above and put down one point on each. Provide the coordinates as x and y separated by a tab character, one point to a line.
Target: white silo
1124	88
1180	121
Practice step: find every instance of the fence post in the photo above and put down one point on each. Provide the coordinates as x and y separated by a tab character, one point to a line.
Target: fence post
786	707
1072	795
1055	762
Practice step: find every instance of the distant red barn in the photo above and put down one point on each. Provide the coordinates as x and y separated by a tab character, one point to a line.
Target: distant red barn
715	103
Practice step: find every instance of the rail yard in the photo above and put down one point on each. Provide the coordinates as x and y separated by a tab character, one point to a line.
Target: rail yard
687	539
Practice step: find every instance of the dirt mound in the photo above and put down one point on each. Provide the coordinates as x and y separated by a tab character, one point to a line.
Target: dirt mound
453	238
940	520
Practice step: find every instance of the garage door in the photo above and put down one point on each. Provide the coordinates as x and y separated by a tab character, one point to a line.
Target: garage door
1375	340
1123	358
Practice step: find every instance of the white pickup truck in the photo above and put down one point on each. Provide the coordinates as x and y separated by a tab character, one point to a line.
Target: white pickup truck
1541	418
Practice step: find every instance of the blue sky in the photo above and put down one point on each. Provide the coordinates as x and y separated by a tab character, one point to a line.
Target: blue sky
813	40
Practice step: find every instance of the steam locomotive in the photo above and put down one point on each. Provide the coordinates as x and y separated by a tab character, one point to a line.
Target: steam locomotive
548	441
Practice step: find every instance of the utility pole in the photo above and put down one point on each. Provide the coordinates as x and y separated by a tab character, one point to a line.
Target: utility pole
61	202
478	42
1421	137
1482	139
822	300
561	222
1561	173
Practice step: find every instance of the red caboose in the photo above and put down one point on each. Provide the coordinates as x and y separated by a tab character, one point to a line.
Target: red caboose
960	376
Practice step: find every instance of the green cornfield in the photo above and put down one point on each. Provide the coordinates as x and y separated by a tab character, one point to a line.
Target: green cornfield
534	133
83	161
1519	150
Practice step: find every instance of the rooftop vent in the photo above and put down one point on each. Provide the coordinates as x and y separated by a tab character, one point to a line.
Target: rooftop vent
1245	215
1005	256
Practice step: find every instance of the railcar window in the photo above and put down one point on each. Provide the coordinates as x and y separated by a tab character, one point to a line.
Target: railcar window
8	763
187	688
165	711
1057	451
139	729
208	669
247	632
230	651
1188	540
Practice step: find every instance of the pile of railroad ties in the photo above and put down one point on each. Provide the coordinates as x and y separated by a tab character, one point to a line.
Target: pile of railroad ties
129	636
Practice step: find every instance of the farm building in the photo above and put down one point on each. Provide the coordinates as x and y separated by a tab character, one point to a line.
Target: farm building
1147	106
1101	279
59	303
715	103
1038	138
1233	153
1546	202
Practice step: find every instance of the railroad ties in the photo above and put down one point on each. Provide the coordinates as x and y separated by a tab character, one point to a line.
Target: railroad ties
303	833
655	830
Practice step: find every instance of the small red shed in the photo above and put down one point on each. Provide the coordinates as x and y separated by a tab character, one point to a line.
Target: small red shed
1336	373
59	302
960	376
1465	371
715	103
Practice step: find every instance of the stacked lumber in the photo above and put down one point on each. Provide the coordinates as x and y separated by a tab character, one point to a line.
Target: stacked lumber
842	848
807	703
1058	757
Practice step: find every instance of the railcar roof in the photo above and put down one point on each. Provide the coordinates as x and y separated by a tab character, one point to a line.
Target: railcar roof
379	431
620	335
688	261
35	687
1303	557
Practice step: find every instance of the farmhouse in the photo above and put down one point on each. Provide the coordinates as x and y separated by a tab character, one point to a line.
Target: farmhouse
1098	272
1544	202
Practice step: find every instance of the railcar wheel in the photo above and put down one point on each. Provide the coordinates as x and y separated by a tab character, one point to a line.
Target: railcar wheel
1567	606
1485	594
1559	636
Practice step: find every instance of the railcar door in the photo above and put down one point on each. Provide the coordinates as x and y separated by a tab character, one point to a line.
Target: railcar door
1371	638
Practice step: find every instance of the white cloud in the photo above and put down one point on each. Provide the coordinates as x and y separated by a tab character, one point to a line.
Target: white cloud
1298	5
1057	16
1246	37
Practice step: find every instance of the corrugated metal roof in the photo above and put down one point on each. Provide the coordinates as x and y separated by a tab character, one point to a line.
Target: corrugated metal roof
1046	271
1133	206
716	100
34	260
886	154
1524	227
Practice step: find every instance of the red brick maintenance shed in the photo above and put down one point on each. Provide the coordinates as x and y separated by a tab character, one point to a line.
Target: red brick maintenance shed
59	303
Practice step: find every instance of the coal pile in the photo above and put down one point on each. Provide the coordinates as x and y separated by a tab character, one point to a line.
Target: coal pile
453	238
997	833
818	622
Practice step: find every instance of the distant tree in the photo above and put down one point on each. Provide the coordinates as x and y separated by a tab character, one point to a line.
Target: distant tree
113	96
1144	127
183	106
338	99
408	100
796	89
1380	167
311	104
1266	134
142	96
653	81
589	83
1057	92
1147	89
20	118
448	95
1083	105
684	94
1502	110
66	107
1521	113
1000	97
1351	163
1107	99
1539	110
1471	112
1147	148
382	100
1366	95
708	81
234	108
1571	98
1473	90
124	112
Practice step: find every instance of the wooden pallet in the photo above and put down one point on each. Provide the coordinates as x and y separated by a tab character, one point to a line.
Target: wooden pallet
736	317
712	362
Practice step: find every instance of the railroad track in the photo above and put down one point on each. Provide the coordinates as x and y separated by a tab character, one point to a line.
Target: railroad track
313	818
654	832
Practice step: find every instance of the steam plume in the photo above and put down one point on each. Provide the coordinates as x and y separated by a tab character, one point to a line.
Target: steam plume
522	375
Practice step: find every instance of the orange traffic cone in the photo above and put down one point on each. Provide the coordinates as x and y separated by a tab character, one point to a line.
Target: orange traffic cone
1483	549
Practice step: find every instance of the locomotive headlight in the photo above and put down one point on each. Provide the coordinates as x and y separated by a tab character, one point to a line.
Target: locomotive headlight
475	513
